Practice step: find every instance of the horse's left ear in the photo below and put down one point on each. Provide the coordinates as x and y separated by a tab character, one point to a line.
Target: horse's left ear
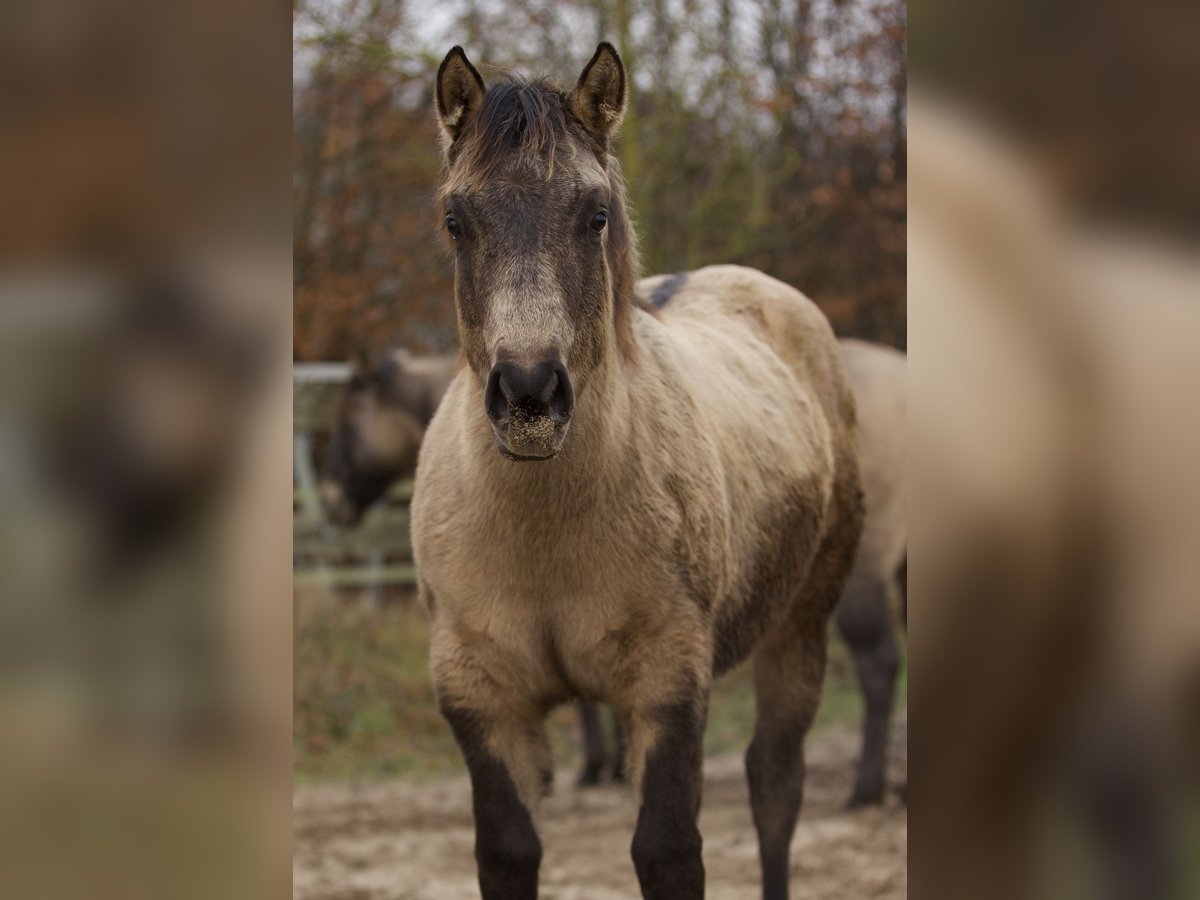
598	101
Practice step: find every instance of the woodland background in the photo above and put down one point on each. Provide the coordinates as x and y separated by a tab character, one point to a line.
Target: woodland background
770	133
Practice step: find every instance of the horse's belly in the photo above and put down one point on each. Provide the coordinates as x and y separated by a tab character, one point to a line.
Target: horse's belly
772	567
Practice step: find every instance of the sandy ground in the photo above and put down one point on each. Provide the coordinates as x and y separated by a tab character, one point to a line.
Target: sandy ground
405	840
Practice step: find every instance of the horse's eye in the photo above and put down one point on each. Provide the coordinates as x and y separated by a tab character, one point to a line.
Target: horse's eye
599	220
453	227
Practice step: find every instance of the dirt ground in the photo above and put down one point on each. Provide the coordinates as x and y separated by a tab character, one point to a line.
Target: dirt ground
404	840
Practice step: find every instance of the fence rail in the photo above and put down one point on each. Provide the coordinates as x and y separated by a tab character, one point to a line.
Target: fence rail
371	557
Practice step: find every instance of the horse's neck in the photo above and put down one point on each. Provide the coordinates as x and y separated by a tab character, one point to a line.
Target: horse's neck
603	414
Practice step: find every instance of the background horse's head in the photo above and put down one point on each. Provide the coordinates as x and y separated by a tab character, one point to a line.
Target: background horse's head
381	417
543	247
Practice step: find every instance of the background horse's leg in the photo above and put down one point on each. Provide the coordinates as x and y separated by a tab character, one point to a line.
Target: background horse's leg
865	623
509	762
788	670
618	769
593	744
1117	783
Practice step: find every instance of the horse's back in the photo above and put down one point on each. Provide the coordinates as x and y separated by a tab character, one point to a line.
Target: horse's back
751	323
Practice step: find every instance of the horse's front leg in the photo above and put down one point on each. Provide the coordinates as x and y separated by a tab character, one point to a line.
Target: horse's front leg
665	739
507	752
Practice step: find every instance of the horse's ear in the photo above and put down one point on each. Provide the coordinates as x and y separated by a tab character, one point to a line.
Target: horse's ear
459	94
598	101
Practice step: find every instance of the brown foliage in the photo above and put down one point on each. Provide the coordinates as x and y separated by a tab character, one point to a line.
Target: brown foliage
782	148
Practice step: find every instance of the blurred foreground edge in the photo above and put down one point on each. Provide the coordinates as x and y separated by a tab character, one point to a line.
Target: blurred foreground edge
1054	628
145	606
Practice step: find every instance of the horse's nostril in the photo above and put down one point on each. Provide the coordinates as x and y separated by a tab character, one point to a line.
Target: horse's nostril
540	390
561	402
494	398
549	389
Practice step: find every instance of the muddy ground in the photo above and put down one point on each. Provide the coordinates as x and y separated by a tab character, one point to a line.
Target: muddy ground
406	840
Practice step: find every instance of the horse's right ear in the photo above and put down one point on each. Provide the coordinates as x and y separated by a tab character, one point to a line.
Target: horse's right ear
460	92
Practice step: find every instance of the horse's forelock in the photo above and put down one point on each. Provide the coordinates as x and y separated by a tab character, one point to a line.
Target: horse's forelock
523	121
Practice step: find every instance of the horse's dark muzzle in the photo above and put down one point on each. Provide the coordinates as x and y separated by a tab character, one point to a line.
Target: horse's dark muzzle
529	407
533	392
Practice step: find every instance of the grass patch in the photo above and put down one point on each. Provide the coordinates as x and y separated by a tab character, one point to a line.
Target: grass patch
364	704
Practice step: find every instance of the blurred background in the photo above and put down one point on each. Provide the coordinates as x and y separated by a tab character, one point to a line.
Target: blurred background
1054	282
145	593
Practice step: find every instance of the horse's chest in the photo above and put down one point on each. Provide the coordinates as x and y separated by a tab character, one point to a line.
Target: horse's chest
534	555
560	598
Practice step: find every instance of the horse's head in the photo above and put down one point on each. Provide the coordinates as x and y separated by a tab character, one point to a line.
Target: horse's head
543	247
376	437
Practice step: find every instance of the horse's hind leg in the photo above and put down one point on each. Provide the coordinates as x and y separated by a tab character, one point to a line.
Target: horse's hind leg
788	670
865	623
789	667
